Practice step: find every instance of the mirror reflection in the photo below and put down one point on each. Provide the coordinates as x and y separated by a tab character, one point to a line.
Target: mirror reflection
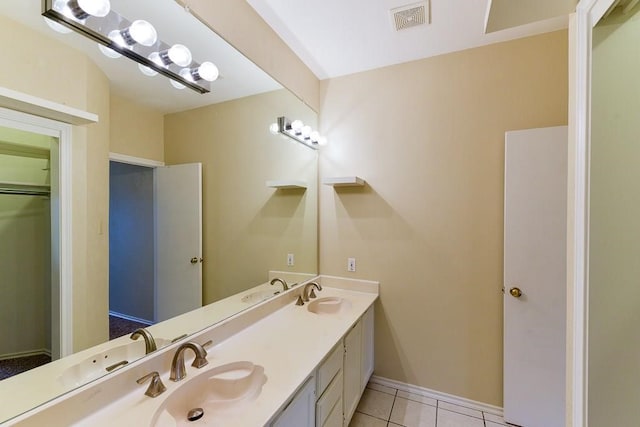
249	230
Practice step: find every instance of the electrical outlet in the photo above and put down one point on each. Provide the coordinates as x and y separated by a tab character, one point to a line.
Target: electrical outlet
290	261
351	264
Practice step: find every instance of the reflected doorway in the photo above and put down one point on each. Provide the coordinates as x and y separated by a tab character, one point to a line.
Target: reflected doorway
26	334
131	248
155	242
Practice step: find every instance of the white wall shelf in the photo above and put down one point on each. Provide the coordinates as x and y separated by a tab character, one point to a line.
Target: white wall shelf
286	184
344	181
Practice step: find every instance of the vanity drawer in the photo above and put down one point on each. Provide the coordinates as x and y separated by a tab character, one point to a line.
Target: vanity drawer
335	418
329	368
326	405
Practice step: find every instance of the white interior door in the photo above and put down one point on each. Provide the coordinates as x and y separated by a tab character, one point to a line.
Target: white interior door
178	198
535	264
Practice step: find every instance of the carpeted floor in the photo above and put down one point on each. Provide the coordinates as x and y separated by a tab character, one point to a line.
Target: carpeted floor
119	326
11	367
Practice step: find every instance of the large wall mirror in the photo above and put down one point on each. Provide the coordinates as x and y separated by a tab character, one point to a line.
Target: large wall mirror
251	230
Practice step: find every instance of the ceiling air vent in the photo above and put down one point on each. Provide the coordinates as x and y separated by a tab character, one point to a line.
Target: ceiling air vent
410	15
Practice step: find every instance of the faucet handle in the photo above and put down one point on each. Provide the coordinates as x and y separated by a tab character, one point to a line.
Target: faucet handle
156	387
312	294
300	301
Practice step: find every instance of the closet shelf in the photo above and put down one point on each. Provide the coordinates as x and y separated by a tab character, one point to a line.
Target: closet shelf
286	183
344	181
24	188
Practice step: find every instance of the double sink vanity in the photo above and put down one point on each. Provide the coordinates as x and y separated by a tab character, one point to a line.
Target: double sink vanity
282	362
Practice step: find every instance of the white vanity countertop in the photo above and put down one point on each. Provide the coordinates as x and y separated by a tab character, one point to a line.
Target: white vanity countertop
289	343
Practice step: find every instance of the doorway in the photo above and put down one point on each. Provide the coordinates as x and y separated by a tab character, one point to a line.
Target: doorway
131	248
34	279
155	233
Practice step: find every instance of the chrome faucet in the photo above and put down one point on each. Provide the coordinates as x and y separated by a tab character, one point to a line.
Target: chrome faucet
149	342
285	287
305	292
178	370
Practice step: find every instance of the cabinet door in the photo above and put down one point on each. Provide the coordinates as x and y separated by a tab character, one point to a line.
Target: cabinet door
301	410
352	371
367	348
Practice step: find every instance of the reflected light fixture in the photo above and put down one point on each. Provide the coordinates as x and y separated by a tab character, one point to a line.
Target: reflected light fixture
137	40
298	131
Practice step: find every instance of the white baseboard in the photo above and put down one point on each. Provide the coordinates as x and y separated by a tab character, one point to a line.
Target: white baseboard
27	353
445	397
133	319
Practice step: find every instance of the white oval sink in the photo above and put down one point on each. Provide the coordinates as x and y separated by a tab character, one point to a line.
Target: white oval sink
329	305
96	365
222	392
258	296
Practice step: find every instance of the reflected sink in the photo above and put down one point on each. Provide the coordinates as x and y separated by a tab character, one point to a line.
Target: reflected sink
222	392
96	365
257	296
329	305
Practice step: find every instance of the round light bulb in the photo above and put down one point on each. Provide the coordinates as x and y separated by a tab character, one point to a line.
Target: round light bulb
322	141
156	59
180	55
185	73
314	136
59	28
116	37
297	125
274	128
143	32
208	71
176	84
306	131
99	8
62	6
147	71
109	53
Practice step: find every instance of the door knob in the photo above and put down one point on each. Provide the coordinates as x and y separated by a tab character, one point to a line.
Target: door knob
194	260
515	292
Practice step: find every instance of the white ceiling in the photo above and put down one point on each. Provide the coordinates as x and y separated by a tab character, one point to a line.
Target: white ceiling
239	76
338	37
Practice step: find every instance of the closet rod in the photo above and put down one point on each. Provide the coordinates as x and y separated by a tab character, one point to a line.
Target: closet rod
24	192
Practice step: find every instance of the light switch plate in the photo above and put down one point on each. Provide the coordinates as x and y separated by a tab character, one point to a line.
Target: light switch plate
351	264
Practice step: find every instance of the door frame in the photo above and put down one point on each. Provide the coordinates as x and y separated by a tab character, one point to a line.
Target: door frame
61	223
588	14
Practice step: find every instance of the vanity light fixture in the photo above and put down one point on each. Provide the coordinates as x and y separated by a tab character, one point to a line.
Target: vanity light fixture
137	40
298	131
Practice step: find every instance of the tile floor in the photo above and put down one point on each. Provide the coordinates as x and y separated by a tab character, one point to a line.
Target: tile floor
383	406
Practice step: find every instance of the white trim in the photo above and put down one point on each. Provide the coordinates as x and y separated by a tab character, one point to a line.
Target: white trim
132	318
138	161
588	13
62	190
438	395
40	107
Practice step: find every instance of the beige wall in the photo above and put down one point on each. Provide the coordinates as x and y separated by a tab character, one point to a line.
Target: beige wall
428	137
249	228
240	25
53	71
135	129
614	240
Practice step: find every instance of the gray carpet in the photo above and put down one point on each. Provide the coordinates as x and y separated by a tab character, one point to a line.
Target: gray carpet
119	326
11	367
